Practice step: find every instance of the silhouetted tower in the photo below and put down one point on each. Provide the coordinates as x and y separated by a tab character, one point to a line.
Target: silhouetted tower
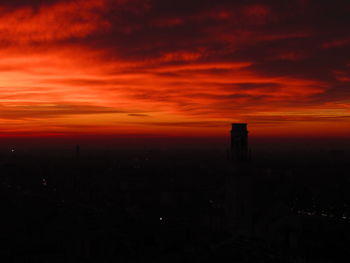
239	203
239	142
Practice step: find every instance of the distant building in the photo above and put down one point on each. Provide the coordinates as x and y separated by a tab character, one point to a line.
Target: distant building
239	143
239	183
252	212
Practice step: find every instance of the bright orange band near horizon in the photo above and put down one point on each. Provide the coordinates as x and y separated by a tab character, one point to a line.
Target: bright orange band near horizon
109	67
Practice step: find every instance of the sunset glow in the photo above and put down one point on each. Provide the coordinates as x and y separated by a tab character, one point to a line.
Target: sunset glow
177	68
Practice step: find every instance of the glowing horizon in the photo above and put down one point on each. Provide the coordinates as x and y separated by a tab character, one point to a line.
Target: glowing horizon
109	67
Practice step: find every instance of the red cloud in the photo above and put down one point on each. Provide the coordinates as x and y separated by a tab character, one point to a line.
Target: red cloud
103	66
53	22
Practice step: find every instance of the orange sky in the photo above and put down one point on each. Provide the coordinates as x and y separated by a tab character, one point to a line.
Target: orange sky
182	68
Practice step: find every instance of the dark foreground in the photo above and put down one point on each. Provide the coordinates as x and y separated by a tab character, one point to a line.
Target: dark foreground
174	206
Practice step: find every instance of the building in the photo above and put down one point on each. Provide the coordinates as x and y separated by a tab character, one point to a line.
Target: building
239	183
239	143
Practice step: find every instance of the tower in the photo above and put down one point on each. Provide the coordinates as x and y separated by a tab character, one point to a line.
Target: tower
239	183
239	142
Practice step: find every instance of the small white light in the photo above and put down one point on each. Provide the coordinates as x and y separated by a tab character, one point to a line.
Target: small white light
161	218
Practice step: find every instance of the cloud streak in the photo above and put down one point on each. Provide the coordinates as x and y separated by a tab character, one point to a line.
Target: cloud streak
132	66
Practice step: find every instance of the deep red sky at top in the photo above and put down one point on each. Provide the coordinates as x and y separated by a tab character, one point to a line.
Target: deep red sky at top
177	68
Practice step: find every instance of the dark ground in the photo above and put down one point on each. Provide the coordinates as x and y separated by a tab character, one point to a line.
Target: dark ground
168	206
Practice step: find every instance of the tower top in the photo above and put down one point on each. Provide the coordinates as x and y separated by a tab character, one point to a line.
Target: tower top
239	127
239	143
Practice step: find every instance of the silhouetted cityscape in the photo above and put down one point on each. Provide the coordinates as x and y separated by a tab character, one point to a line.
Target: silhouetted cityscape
163	131
215	205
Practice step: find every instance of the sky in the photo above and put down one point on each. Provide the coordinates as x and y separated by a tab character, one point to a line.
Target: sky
184	68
